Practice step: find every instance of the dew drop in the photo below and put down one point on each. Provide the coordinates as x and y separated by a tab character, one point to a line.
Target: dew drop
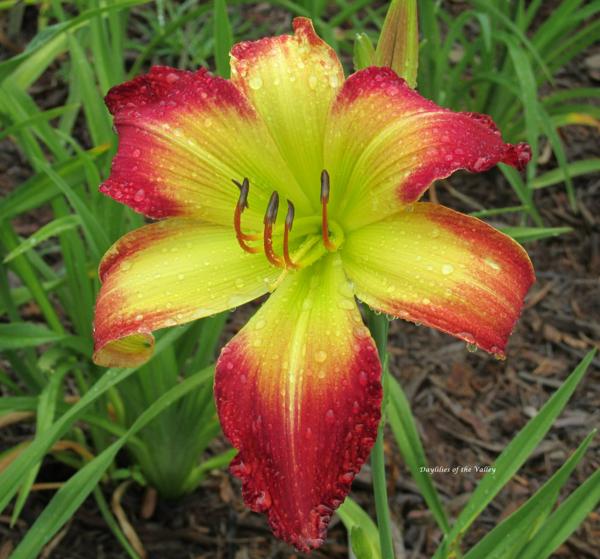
139	317
260	324
255	83
312	82
136	153
467	337
239	283
492	264
320	356
334	81
263	501
330	416
447	269
139	195
363	378
346	304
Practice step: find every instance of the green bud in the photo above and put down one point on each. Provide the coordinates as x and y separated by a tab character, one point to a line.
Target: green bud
398	45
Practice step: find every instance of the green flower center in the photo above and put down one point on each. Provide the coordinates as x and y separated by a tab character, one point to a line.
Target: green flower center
315	236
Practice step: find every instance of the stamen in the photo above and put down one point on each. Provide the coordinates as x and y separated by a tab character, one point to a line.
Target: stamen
324	200
270	217
241	205
289	220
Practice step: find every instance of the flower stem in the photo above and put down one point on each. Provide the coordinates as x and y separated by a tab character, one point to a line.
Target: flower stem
378	325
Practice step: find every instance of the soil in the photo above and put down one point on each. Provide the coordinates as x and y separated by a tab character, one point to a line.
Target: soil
468	406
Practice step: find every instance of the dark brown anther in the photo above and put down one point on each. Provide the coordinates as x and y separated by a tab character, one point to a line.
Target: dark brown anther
324	186
269	220
244	187
241	205
289	220
272	208
324	221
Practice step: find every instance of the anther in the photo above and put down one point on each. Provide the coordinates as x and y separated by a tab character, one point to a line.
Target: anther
241	205
269	220
289	220
324	221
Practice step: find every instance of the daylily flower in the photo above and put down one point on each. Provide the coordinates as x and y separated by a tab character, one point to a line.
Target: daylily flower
298	389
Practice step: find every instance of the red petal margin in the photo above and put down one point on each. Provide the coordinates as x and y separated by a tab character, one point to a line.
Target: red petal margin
441	268
183	136
304	418
392	143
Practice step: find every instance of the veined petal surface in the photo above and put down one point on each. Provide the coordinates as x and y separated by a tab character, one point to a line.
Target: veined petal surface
298	392
385	144
169	273
292	80
444	269
183	137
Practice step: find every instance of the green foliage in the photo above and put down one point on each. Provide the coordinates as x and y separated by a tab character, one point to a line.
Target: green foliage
492	59
55	269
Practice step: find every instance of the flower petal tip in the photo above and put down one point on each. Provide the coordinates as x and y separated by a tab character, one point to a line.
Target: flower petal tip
300	498
300	399
130	351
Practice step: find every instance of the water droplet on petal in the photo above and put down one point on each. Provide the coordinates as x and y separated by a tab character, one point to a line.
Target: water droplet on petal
259	324
255	83
312	82
330	416
363	378
447	269
492	264
320	356
139	195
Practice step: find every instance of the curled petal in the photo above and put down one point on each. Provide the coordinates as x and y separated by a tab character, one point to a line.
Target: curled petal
438	267
387	144
183	136
291	80
165	274
298	392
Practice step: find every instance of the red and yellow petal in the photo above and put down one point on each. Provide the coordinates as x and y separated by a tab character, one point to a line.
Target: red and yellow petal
438	267
292	80
183	137
385	144
165	274
298	392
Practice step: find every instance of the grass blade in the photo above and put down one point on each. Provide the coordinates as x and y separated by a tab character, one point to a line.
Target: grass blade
405	431
13	474
72	494
513	457
565	520
18	335
528	234
223	38
509	537
51	229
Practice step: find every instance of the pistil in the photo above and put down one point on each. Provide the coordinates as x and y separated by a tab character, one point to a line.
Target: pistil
289	220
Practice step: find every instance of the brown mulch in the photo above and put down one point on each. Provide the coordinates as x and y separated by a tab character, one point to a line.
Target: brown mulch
468	405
